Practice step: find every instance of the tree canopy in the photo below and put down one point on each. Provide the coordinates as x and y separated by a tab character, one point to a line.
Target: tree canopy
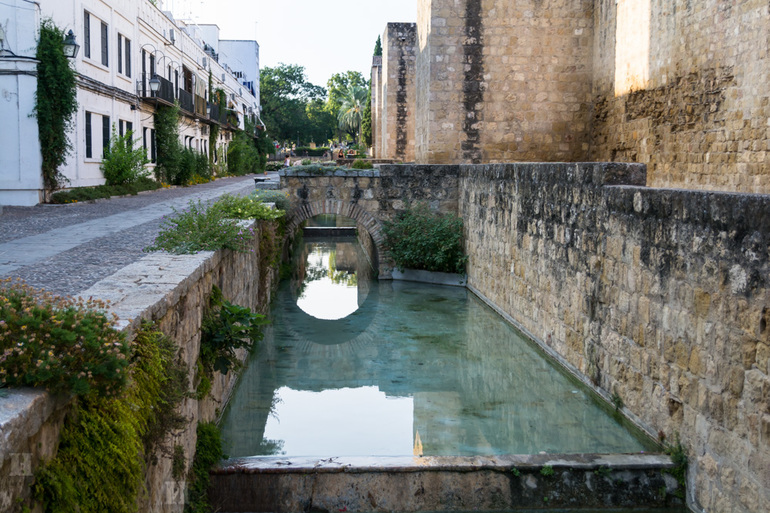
285	95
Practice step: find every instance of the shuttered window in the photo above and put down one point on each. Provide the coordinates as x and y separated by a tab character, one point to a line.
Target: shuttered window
105	135
89	142
105	45
128	57
87	34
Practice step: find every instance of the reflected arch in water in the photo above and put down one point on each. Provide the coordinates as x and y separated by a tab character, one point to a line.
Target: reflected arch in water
373	226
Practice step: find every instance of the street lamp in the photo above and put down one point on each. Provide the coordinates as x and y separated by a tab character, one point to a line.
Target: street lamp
154	84
70	46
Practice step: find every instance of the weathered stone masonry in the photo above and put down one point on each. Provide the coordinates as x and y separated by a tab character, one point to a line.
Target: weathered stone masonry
660	296
173	291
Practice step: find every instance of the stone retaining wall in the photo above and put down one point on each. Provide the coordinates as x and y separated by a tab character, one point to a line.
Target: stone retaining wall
173	291
659	297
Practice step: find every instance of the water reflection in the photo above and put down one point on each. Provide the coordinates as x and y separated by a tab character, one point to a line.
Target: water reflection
330	288
415	369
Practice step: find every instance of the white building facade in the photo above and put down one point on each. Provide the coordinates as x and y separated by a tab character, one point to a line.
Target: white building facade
123	43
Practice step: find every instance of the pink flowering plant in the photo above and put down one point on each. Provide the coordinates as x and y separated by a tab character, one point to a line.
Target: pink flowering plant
63	344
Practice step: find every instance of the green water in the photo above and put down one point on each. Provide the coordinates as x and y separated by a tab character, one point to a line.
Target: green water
367	368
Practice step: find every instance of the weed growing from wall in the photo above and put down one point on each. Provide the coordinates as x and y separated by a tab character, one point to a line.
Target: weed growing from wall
227	327
55	102
106	443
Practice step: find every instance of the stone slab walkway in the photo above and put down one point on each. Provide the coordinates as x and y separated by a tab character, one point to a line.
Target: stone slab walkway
65	249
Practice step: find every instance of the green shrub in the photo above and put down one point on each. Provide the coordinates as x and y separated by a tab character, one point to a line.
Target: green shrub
361	164
317	169
105	444
242	155
420	239
208	452
105	191
306	162
304	151
62	344
280	198
169	150
245	207
200	228
122	163
273	166
225	328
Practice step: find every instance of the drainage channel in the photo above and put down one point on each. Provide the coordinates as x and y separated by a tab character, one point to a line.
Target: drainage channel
408	397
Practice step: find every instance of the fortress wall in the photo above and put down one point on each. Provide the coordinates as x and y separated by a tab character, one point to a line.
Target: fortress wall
502	81
690	93
659	296
398	91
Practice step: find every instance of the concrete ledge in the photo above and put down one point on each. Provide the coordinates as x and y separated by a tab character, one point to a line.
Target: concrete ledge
435	278
494	483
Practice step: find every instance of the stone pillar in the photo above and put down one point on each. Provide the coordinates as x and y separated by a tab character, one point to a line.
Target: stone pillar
21	179
502	81
376	87
398	91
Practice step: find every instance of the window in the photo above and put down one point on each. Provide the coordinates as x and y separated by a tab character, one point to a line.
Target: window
89	146
105	134
125	127
87	34
153	153
105	45
124	55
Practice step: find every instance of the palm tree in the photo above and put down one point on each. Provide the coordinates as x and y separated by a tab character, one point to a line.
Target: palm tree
352	110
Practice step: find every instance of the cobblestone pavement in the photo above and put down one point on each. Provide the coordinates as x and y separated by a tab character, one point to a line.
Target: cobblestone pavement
65	249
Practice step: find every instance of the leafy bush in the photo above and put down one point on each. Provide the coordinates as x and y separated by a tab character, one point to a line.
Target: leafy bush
273	166
208	452
245	207
419	239
105	191
225	328
303	151
317	169
361	164
106	443
122	163
63	344
242	155
306	162
200	228
169	150
280	198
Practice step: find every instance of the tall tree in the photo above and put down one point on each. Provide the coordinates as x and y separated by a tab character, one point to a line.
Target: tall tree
285	94
352	110
366	123
338	86
378	47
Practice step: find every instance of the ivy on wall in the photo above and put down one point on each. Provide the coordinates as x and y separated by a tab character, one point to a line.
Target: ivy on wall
55	102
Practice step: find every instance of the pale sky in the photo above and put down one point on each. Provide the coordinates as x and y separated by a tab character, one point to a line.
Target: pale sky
325	37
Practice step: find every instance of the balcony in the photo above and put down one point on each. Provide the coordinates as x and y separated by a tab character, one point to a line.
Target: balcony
165	92
218	115
200	106
186	102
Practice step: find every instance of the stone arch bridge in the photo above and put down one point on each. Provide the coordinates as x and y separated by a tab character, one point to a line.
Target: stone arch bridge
369	196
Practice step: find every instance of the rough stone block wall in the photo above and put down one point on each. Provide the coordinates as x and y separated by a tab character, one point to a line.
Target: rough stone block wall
502	81
697	113
376	88
660	296
398	91
172	291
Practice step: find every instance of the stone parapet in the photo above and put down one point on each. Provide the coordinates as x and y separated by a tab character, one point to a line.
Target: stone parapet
171	291
655	296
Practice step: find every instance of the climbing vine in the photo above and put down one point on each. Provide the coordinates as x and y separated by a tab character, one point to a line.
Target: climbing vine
169	149
55	102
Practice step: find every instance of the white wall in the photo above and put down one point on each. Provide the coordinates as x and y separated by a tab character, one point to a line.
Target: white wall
20	159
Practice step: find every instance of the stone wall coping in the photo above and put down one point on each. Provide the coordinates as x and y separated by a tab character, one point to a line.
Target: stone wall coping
269	465
352	173
142	290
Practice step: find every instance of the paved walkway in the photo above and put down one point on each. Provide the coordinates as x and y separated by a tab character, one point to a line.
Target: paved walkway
65	249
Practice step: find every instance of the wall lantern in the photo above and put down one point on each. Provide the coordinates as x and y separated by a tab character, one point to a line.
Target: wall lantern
71	47
154	84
